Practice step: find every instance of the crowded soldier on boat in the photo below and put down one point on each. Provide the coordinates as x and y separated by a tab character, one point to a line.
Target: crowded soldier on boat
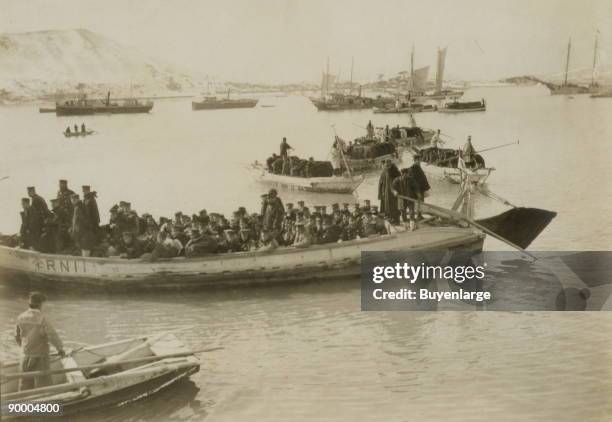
72	227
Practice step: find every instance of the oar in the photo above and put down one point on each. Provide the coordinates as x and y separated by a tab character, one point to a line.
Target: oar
458	216
105	364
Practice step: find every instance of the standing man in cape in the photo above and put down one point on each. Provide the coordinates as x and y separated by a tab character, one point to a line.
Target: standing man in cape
39	211
388	203
89	199
82	228
421	182
406	186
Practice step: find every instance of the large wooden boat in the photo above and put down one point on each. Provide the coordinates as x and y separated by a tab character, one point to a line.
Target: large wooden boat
283	265
331	184
104	375
453	170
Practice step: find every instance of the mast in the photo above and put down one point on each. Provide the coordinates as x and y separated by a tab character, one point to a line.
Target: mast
594	59
569	48
412	69
351	86
327	77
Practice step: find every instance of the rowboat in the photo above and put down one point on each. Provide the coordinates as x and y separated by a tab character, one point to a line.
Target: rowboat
283	265
46	110
332	184
103	375
73	134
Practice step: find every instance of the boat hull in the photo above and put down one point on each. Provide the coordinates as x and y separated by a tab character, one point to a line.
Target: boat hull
76	134
221	105
364	165
318	262
333	184
90	110
405	110
461	110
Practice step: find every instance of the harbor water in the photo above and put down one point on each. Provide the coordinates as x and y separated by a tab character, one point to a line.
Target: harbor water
307	352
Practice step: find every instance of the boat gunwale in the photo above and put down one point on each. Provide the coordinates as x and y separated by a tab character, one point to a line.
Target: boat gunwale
236	255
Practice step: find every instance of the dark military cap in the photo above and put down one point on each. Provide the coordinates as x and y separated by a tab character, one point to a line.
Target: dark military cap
63	182
122	203
242	210
367	202
335	206
31	189
300	203
202	211
86	188
272	192
25	200
289	205
346	205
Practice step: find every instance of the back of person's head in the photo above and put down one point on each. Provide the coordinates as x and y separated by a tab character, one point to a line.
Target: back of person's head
36	300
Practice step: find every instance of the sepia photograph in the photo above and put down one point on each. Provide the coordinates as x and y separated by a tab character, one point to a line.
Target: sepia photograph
298	210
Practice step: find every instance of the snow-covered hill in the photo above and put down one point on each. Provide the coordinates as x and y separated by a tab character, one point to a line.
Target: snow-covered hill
44	63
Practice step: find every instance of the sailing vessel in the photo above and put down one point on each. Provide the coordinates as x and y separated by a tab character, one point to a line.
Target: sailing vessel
566	88
213	103
440	93
596	90
337	101
84	106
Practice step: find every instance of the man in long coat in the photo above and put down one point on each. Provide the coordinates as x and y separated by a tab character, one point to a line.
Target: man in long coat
388	203
421	181
82	228
273	213
89	199
65	197
38	212
406	186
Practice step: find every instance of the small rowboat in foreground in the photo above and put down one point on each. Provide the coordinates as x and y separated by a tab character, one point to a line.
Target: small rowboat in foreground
74	134
331	184
105	375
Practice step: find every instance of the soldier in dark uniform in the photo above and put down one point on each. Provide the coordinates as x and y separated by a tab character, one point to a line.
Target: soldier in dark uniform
24	231
330	233
421	182
406	185
388	204
89	199
273	213
64	196
303	209
38	212
82	228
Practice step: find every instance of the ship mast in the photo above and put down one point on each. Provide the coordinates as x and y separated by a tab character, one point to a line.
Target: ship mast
594	59
351	86
327	77
412	67
569	48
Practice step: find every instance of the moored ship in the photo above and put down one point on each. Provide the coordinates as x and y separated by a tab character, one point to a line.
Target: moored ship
213	103
84	106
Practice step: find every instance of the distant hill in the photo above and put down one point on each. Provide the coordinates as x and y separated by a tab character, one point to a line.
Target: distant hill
45	63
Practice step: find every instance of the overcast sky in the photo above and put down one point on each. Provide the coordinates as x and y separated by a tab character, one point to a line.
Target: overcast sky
289	40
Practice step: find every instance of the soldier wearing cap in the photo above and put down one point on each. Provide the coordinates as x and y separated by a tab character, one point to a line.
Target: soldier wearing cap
346	208
303	237
330	232
406	190
366	205
64	195
91	205
33	333
26	216
82	228
273	213
37	215
303	209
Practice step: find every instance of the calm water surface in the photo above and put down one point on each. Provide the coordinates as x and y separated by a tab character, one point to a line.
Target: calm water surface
307	352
